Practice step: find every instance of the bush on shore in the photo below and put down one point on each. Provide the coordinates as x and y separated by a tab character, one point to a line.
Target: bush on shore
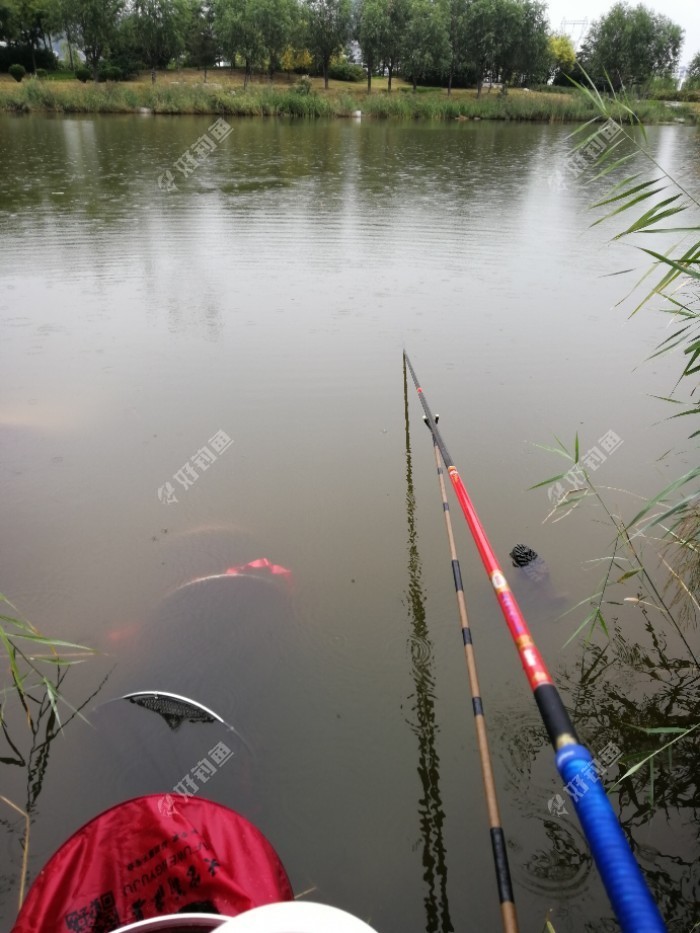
269	100
22	55
346	71
687	96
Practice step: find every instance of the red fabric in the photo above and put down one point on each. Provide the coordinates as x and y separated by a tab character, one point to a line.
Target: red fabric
151	856
262	565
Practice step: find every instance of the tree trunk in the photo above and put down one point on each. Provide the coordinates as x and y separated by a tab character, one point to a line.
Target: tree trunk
479	85
391	71
205	73
415	82
369	78
326	63
449	83
70	55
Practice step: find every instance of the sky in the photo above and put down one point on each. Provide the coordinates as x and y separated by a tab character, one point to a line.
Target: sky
685	13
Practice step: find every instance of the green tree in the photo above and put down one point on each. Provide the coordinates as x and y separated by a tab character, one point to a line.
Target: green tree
93	24
525	40
631	45
398	14
67	26
426	41
562	56
7	23
328	27
201	42
481	23
507	23
28	22
238	29
125	51
692	78
508	40
372	32
458	39
159	28
277	21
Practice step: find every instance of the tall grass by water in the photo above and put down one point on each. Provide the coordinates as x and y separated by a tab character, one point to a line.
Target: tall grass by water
36	96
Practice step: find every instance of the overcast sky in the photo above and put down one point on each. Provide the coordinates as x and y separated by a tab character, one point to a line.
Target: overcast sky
685	13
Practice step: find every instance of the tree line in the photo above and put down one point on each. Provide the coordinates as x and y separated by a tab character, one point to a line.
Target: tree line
450	42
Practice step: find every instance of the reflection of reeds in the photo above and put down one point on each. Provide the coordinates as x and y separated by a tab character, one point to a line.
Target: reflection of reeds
25	846
424	726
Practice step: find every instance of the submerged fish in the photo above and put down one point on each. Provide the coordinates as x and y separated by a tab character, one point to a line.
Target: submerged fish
537	589
531	564
174	709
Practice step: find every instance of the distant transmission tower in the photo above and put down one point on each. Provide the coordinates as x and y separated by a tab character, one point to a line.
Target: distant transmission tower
576	30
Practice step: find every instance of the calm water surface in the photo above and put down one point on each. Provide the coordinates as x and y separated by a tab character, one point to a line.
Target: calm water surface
269	297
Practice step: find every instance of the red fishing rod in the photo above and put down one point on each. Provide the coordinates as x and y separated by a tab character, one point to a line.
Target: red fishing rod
621	875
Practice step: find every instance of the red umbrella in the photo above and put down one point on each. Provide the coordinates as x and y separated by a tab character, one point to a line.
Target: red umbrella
153	856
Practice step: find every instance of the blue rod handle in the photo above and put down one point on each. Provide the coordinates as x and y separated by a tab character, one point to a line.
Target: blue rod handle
629	895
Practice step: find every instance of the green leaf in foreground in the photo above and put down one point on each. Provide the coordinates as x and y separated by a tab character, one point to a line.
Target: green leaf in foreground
659	497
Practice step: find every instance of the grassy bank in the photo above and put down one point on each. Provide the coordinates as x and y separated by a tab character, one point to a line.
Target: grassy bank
224	95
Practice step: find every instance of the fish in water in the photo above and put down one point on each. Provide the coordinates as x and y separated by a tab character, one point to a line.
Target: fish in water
531	564
538	585
174	710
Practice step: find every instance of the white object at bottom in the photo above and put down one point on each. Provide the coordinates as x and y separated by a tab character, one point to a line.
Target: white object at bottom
295	917
284	917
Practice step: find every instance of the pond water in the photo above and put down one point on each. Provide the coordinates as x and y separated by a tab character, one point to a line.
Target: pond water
267	299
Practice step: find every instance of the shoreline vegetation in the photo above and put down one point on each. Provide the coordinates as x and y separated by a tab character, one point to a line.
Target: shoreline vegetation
185	92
